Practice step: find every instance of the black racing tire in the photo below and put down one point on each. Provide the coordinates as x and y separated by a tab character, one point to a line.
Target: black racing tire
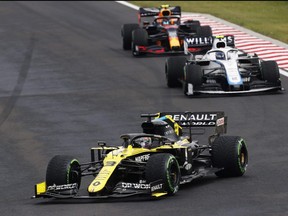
270	72
193	25
174	71
195	22
126	33
192	22
231	154
63	169
164	166
192	74
139	38
204	31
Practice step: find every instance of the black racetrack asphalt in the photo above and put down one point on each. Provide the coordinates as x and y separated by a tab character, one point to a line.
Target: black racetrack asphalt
66	83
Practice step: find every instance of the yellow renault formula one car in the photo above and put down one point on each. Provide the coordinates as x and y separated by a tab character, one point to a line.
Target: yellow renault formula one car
152	163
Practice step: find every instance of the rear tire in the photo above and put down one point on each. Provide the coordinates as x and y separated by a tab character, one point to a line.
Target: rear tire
231	154
126	32
174	70
204	31
63	169
193	25
194	22
164	166
193	75
270	72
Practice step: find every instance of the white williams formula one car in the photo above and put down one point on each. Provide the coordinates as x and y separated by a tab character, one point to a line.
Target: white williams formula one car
222	70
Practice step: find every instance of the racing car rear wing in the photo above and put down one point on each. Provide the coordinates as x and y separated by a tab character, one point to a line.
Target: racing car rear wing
195	42
199	119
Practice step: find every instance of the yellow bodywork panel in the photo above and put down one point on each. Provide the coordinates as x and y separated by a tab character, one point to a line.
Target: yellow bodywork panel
40	188
113	158
158	194
110	163
174	42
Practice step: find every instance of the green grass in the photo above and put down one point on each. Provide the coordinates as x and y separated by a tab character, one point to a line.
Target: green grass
269	18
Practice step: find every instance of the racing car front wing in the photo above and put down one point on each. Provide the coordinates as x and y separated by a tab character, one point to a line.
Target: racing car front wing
122	189
191	91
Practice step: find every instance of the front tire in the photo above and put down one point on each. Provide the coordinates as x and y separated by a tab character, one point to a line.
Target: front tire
193	75
164	166
270	72
174	70
126	33
139	38
204	31
231	154
63	169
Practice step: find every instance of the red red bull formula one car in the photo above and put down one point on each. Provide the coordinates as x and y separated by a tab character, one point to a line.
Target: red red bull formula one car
162	31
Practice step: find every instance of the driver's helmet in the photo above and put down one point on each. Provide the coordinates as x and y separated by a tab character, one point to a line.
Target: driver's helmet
144	142
220	55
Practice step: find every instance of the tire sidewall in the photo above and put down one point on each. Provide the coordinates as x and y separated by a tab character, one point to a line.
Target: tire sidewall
270	72
227	155
170	183
61	170
126	33
139	38
240	147
159	167
174	71
192	75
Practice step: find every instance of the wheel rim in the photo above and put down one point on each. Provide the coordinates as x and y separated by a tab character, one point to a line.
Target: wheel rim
74	173
243	159
174	175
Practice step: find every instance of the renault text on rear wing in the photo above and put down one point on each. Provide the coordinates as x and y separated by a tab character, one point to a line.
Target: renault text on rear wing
199	119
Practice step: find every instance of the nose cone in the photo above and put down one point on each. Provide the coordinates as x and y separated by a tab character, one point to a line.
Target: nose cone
174	43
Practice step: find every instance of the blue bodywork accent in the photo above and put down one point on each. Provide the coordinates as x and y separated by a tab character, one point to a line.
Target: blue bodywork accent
229	82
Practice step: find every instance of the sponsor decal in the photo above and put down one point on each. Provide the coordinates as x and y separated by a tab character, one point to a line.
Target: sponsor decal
156	187
110	163
142	158
229	39
141	186
220	121
96	183
195	119
199	40
209	40
104	174
62	187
